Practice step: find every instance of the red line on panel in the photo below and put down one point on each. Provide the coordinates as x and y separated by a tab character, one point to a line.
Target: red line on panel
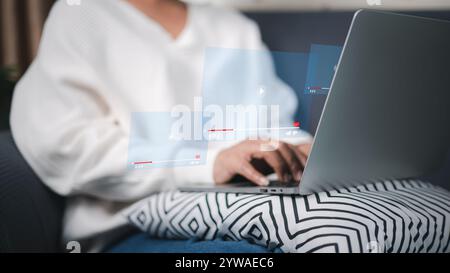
220	130
315	88
142	162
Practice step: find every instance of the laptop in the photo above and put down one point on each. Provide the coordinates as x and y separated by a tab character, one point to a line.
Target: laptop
387	114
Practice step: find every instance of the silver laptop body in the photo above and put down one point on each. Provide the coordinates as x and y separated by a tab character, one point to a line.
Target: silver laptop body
387	114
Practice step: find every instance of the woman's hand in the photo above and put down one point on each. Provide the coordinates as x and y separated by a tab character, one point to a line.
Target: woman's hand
286	160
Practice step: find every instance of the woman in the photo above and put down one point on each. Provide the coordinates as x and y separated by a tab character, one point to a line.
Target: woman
97	63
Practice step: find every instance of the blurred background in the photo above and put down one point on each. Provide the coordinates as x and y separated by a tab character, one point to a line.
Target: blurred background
21	23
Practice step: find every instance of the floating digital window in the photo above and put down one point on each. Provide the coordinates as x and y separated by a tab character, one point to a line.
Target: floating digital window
322	63
160	139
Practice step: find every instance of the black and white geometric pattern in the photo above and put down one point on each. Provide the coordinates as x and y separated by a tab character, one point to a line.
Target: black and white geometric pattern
397	216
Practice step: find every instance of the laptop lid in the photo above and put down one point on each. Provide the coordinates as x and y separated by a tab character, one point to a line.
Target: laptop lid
387	114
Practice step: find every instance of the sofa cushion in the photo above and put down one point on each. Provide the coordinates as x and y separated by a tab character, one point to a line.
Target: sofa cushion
30	214
390	216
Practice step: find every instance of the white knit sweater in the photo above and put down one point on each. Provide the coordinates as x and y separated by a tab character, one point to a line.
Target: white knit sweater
98	62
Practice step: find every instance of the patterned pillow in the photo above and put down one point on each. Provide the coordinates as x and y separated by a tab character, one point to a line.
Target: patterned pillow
397	216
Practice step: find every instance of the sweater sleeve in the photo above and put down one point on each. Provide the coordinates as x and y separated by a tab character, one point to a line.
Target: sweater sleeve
249	36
